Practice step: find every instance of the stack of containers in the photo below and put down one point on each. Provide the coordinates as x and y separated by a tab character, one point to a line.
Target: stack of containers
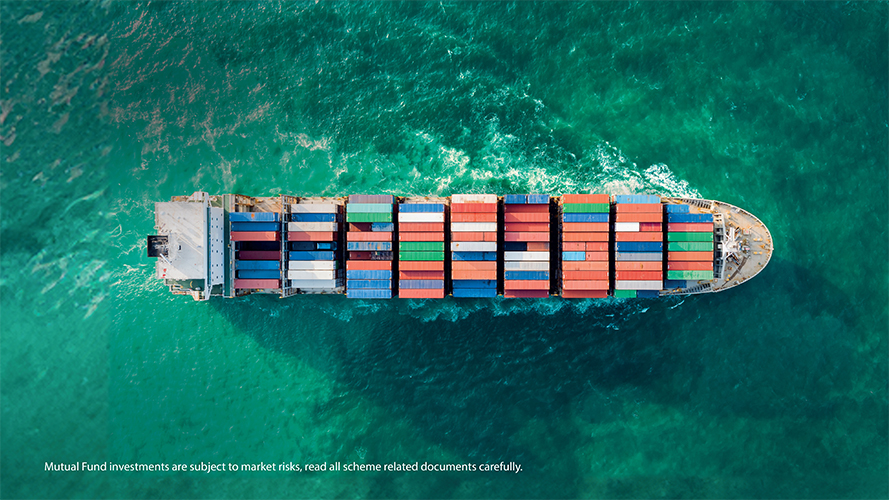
421	250
638	246
369	242
313	253
526	260
689	246
474	245
585	237
257	261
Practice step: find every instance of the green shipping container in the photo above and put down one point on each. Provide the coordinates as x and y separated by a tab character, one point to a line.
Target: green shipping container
625	294
420	255
689	236
420	246
690	246
369	208
585	208
689	275
368	217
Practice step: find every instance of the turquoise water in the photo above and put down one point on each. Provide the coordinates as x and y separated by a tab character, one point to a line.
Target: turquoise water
775	389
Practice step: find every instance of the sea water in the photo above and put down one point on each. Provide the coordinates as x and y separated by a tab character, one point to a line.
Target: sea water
776	388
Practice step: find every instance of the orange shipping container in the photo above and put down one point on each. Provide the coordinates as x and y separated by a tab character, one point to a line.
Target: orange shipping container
473	207
597	256
574	246
597	247
421	275
467	236
473	275
472	217
526	294
639	275
369	236
584	294
585	275
537	246
585	285
525	227
310	236
650	226
369	265
697	227
585	237
421	265
584	227
639	208
585	265
586	198
690	256
638	217
421	227
526	237
473	265
526	209
690	266
421	236
526	284
638	266
650	236
523	217
421	293
256	236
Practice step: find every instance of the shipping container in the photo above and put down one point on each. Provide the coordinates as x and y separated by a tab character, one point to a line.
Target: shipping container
585	285
640	236
474	256
478	265
526	227
311	236
673	284
689	275
380	284
474	198
369	236
625	294
526	294
596	256
257	264
585	217
689	218
689	236
417	246
368	217
638	285
537	246
636	198
313	265
676	209
525	217
651	226
585	294
526	275
474	217
362	255
420	207
638	246
586	198
255	235
474	226
257	283
515	199
411	236
690	246
366	265
596	246
475	284
575	246
585	275
371	198
259	274
690	256
256	226
585	266
584	227
636	208
586	208
638	256
647	294
599	237
473	275
421	293
314	208
490	236
319	285
428	217
421	275
473	207
526	284
421	227
313	226
473	246
254	217
259	255
314	217
638	275
422	265
526	237
369	246
475	292
357	293
425	284
639	266
639	217
420	255
304	274
626	226
311	245
526	209
573	256
538	199
369	208
693	227
526	265
365	274
533	256
690	266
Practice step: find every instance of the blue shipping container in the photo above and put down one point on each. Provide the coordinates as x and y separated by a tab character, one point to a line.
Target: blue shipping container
526	275
693	218
368	294
475	284
312	217
256	226
387	284
316	255
636	198
259	275
421	284
379	274
671	284
677	209
312	245
638	246
647	294
475	292
325	245
421	207
515	246
257	264
254	216
369	246
573	256
585	217
383	227
538	199
474	255
515	199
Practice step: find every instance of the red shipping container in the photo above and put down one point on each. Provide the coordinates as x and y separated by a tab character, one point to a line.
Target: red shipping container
472	217
639	217
585	275
421	275
360	255
257	283
525	217
468	236
473	275
694	227
422	227
369	236
639	208
585	285
473	207
597	247
586	198
639	275
421	293
596	256
574	246
525	284
584	294
526	237
511	227
690	256
369	265
473	265
601	265
649	236
537	246
258	236
525	209
585	237
690	266
421	265
360	226
310	236
638	266
526	294
650	226
259	255
584	227
421	236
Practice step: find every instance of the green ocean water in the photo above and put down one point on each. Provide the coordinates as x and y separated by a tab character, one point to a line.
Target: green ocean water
774	389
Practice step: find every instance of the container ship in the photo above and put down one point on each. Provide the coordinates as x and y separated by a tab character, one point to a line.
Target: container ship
463	246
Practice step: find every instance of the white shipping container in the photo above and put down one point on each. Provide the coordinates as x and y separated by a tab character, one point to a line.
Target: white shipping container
314	208
526	266
312	226
474	198
313	284
538	256
319	265
638	285
473	246
421	217
311	275
626	226
474	227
